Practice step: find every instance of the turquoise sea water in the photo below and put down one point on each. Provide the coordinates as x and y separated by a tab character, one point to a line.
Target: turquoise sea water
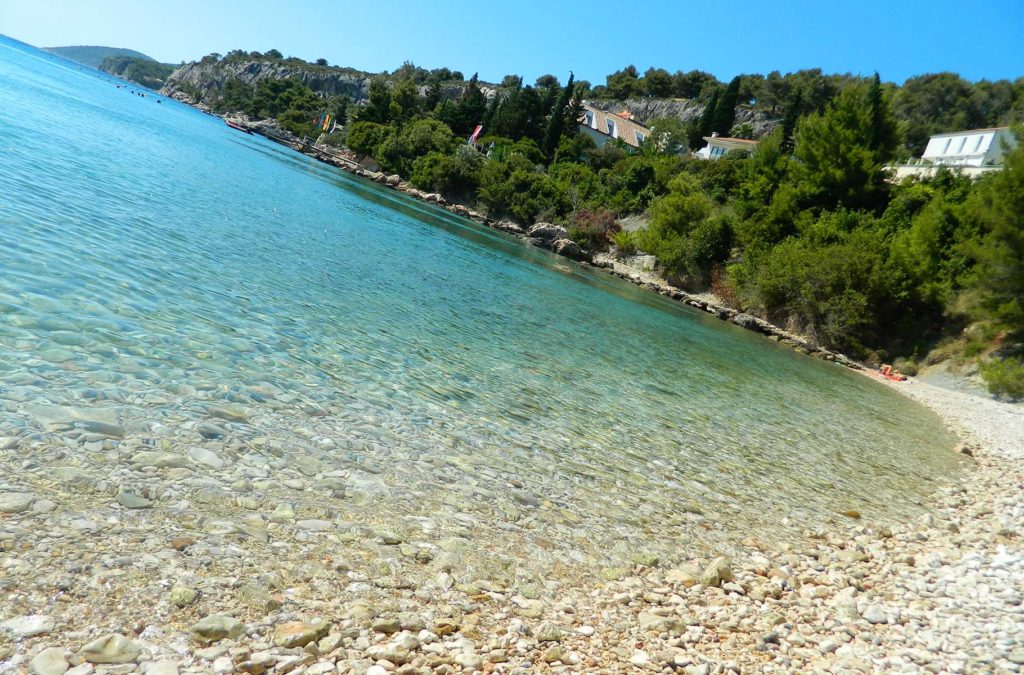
152	259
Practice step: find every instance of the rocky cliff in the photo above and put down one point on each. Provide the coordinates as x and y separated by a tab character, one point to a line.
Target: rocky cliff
201	82
646	109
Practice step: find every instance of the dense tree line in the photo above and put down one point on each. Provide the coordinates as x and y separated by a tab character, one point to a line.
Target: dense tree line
923	105
809	232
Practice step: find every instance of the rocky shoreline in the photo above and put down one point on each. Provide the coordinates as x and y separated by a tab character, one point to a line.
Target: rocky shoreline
553	238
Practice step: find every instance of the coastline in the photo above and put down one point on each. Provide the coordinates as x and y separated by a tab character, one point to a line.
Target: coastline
548	236
227	537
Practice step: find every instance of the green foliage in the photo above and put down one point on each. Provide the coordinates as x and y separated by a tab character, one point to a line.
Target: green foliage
235	96
273	97
144	71
745	130
683	233
378	109
580	184
669	136
624	83
835	290
1004	377
623	241
725	108
365	137
657	82
397	152
997	208
463	115
705	124
558	125
456	176
291	103
930	104
519	188
842	151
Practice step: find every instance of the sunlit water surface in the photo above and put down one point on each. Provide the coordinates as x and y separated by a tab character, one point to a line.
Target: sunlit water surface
153	260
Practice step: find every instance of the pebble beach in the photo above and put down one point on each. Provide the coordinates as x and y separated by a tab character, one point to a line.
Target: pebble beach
94	579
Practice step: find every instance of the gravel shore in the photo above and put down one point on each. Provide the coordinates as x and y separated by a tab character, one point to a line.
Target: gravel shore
97	580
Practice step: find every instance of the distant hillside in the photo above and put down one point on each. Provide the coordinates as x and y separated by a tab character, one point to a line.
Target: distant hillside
146	72
93	56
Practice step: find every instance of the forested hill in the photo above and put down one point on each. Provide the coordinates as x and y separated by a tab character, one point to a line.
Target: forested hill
93	56
810	232
146	72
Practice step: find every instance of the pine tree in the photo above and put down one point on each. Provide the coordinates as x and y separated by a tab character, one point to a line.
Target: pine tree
840	164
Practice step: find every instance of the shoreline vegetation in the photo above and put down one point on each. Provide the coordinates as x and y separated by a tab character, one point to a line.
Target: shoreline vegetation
553	238
808	234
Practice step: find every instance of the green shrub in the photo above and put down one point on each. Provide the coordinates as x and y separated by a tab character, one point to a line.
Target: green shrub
624	242
455	175
397	152
1004	377
364	137
973	348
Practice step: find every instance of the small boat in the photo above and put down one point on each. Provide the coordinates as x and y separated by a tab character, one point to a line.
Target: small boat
236	125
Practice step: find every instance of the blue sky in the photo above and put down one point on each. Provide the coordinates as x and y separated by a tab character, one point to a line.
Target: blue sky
898	38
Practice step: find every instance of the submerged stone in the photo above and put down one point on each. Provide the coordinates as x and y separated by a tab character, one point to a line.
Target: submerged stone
114	648
217	627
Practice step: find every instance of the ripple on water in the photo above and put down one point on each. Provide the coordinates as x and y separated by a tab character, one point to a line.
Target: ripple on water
153	259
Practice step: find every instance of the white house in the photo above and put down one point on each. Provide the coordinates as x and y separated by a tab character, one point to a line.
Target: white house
602	126
974	152
719	146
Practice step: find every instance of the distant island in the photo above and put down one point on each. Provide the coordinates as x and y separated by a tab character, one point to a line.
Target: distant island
93	56
124	63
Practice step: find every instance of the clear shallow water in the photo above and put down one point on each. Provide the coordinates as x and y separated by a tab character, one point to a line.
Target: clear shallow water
154	260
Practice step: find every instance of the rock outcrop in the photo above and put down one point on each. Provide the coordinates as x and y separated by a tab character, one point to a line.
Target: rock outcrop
202	83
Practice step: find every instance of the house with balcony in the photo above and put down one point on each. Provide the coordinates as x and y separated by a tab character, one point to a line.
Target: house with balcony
972	152
603	126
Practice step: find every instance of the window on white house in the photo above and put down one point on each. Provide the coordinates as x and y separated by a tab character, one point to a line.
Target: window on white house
611	127
963	142
977	146
945	150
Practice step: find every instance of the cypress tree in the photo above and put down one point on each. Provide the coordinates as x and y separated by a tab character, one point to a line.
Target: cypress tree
793	109
704	126
556	122
725	111
883	125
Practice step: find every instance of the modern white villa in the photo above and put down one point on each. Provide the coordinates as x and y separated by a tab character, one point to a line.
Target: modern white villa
973	152
602	126
719	146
